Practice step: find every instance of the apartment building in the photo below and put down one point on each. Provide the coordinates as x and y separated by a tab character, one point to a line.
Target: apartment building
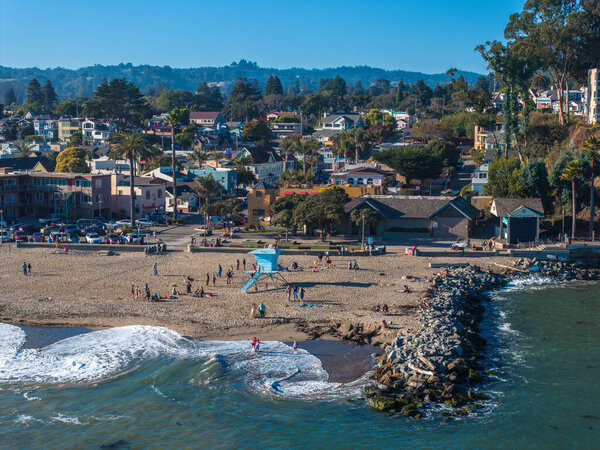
38	194
67	126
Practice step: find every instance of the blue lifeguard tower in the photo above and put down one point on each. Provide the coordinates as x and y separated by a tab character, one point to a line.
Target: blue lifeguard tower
266	264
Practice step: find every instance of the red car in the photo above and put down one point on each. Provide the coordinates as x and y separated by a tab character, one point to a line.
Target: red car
20	235
37	237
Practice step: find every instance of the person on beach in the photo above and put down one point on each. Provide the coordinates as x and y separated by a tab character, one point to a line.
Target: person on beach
257	347
237	264
288	292
261	310
266	285
148	295
133	292
219	270
155	269
301	294
188	287
295	292
295	347
406	290
29	268
25	269
253	311
244	263
174	292
385	308
253	342
137	292
207	279
214	280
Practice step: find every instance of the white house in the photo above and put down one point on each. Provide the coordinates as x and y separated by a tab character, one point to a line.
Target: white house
46	127
106	165
341	122
96	130
266	165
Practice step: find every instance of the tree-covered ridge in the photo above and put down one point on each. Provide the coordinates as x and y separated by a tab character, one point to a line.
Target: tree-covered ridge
71	83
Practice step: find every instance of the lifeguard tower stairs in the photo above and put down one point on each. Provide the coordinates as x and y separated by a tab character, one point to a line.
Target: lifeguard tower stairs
266	265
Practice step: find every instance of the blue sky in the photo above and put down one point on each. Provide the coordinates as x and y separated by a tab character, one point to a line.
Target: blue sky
426	36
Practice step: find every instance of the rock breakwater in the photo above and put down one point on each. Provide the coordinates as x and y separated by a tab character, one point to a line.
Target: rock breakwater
442	363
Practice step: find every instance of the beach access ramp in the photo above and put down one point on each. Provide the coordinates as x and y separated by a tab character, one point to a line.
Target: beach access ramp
251	282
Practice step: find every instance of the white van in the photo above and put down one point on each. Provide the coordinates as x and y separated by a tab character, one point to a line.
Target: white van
5	235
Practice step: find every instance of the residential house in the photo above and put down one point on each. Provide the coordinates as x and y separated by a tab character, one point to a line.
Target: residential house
226	177
326	137
592	105
403	118
483	137
207	118
519	218
278	114
67	126
444	217
498	100
262	195
330	161
281	130
31	164
104	164
266	165
341	122
187	198
165	173
360	176
97	131
149	195
46	127
260	198
481	173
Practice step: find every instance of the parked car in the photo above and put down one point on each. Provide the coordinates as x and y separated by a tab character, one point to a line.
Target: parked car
95	229
58	236
73	238
5	235
15	227
111	225
145	223
112	238
51	219
123	222
28	229
37	237
20	235
93	238
133	238
48	229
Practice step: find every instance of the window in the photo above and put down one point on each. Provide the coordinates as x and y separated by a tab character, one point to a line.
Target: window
258	212
369	181
99	183
147	195
86	199
8	198
120	192
350	180
359	181
83	183
258	194
159	193
10	182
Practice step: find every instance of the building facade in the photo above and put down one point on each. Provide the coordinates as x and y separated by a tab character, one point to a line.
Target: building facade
593	96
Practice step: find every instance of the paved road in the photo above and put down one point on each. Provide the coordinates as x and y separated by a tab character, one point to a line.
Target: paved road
463	176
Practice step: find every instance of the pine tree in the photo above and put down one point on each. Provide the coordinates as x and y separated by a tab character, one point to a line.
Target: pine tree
273	86
399	92
34	93
9	96
49	96
358	89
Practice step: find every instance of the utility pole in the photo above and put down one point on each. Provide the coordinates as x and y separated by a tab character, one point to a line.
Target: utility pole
363	230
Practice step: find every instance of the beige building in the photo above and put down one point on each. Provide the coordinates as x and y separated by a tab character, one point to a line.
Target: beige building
66	127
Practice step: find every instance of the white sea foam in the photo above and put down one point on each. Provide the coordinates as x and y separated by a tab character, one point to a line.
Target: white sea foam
99	355
66	419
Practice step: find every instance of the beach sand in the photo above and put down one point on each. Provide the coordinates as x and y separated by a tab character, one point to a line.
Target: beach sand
90	290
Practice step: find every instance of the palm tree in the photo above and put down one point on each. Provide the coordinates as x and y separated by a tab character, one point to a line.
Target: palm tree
199	156
206	188
592	145
173	119
130	146
306	147
571	172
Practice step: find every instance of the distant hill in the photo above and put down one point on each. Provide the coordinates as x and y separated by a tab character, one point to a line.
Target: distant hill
83	81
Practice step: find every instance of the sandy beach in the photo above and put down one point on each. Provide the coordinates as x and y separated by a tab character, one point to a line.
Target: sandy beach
90	290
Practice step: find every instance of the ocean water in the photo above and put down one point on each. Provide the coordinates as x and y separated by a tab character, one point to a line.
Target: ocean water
149	387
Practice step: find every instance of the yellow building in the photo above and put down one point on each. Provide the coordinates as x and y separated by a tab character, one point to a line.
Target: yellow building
262	195
482	133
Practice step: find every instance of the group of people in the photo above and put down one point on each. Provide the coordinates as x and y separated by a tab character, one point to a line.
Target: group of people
136	292
489	245
293	290
258	311
384	309
26	268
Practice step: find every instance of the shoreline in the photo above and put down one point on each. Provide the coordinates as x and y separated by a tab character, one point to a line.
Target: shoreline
445	362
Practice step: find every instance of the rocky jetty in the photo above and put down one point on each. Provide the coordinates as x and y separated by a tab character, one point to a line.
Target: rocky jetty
442	362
